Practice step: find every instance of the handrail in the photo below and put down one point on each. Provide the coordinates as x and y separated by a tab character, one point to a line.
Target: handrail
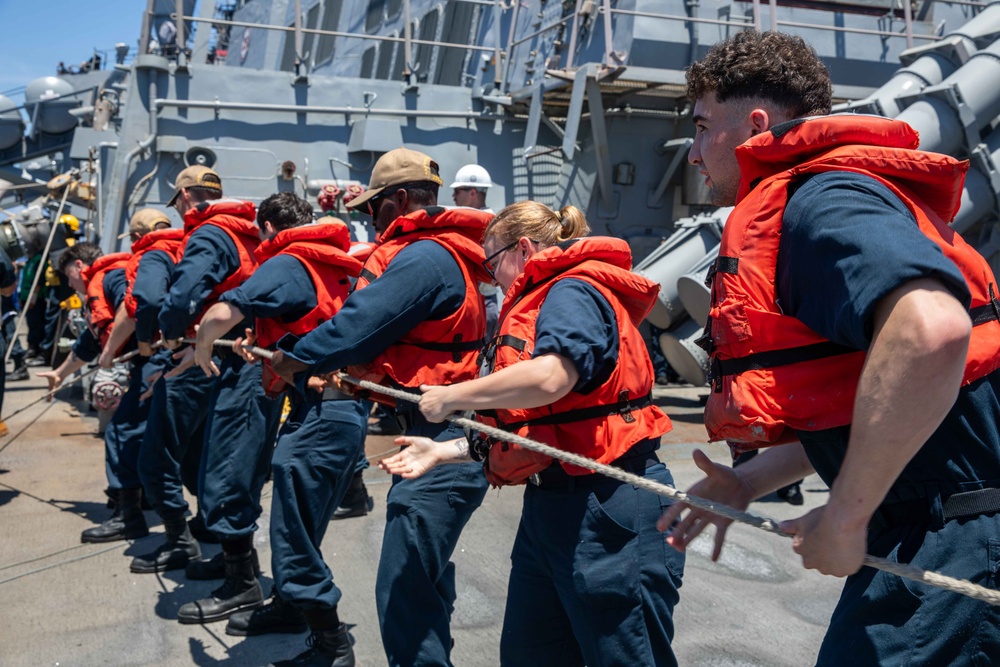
860	31
336	33
73	93
219	105
908	33
540	31
503	51
686	19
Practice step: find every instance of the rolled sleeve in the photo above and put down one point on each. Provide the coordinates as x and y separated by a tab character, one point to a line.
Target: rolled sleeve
210	257
281	287
576	322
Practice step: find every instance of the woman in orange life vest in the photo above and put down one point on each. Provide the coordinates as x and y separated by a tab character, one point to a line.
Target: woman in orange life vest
590	581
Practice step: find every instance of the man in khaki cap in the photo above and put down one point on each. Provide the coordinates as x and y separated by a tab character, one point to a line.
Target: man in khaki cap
220	237
197	177
416	317
144	221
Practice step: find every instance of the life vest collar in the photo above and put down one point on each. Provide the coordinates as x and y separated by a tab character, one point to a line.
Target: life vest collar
470	219
205	210
105	263
152	237
434	221
826	143
602	253
329	233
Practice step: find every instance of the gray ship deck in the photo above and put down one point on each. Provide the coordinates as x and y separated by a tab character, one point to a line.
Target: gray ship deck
66	603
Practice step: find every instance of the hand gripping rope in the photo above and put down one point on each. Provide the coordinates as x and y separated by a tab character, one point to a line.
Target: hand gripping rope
911	572
48	395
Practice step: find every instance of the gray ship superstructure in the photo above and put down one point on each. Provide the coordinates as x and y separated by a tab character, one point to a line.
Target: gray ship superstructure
566	102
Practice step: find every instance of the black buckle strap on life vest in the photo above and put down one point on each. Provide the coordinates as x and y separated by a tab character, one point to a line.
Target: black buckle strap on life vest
456	347
367	275
987	312
723	264
704	341
622	407
774	358
490	351
511	341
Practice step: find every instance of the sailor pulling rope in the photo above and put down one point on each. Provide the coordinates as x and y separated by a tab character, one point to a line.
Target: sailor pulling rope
910	572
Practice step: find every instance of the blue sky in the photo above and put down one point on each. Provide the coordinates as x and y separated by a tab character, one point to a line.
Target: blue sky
37	34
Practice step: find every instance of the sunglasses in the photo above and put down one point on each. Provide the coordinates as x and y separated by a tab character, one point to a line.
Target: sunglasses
488	262
374	203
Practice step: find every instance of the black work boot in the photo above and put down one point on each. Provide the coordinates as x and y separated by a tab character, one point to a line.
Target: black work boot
174	554
127	522
384	422
329	644
356	501
275	617
791	494
202	533
240	591
214	567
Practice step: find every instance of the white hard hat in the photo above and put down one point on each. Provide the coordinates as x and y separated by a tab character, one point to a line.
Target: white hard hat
472	176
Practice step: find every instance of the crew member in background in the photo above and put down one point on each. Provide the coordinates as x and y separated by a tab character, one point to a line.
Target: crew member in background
33	303
856	332
590	583
416	317
8	284
220	239
469	189
304	278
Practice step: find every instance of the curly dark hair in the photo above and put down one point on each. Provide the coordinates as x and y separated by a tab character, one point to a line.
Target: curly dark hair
773	66
284	211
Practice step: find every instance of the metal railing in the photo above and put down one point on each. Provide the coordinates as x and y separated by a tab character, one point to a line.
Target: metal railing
596	10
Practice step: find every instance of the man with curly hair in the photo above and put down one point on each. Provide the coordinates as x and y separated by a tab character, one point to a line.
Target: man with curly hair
854	330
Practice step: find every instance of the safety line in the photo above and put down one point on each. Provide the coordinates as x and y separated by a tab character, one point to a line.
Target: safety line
906	571
79	376
64	562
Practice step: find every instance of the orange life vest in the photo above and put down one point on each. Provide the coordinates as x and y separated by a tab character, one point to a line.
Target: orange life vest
602	424
236	219
435	351
166	240
770	372
100	313
323	251
362	250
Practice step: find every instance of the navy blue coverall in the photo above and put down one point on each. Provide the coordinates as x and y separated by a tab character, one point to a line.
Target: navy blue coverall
241	421
124	434
8	278
415	586
316	452
846	243
178	405
592	581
